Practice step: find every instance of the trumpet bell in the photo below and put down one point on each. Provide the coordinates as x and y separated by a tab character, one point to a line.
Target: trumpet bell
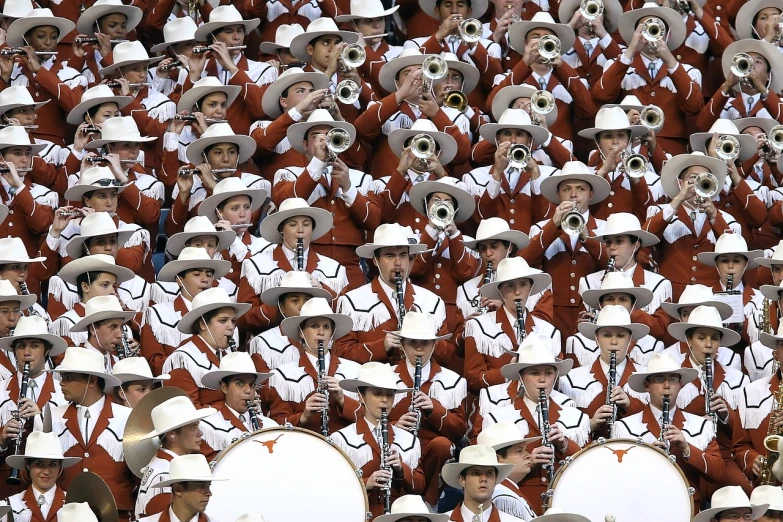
353	56
652	118
518	156
347	92
542	102
573	223
456	100
591	9
441	214
653	30
741	65
728	147
470	30
434	68
635	165
706	185
423	146
775	137
549	47
338	140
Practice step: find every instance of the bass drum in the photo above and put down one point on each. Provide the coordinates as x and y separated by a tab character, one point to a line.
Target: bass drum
287	474
613	478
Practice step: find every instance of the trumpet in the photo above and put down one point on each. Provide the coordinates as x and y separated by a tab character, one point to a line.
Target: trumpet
18	51
573	222
323	388
423	147
728	148
352	57
591	10
652	117
706	187
433	69
633	165
347	92
778	33
541	103
456	99
518	155
653	31
775	138
190	117
548	48
441	214
470	30
742	65
337	141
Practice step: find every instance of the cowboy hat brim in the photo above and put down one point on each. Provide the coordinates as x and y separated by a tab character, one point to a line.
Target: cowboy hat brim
367	251
673	309
466	204
25	301
342	325
76	116
133	377
746	14
642	296
87	320
511	371
200	414
191	97
58	343
477	8
76	192
74	247
270	226
209	206
708	514
10	106
518	31
351	17
541	281
35	147
507	95
18	461
637	330
110	381
699	141
194	315
169	272
770	53
519	239
489	131
212	379
86	22
446	143
271	296
593	132
203	32
419	336
470	74
670	174
765	124
300	42
296	132
637	380
270	101
353	385
452	471
97	144
612	12
670	17
195	150
116	66
728	337
179	241
708	258
430	517
600	186
20	27
645	237
170	482
771	291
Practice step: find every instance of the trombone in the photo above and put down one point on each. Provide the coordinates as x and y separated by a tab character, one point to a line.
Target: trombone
347	92
728	148
432	69
337	141
470	30
541	103
548	48
591	10
456	99
518	155
352	57
653	31
652	118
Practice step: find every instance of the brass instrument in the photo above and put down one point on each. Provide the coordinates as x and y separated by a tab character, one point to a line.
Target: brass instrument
470	30
18	51
518	155
548	48
190	117
665	422
441	214
652	117
543	404
610	387
352	57
775	138
400	299
766	322
487	279
683	6
192	11
706	187
633	165
300	254
253	412
573	222
14	479
591	10
728	148
385	455
770	441
337	141
514	17
653	30
323	388
423	147
347	92
433	69
31	311
741	66
708	389
541	103
416	389
521	333
456	99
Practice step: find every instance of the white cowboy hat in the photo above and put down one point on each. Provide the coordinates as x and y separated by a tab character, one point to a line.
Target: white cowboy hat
182	29
660	363
297	132
670	173
195	227
466	204
776	259
17	96
497	229
771	291
629	102
477	7
388	73
76	512
612	12
117	129
509	94
234	363
512	268
190	258
227	189
16	9
558	515
721	127
44	446
132	369
87	362
535	354
613	315
250	517
293	207
617	282
95	97
704	317
391	235
37	18
283	36
220	133
503	435
575	171
419	326
34	327
670	17
208	300
744	21
316	307
772	496
8	293
16	136
204	87
476	455
374	375
446	143
624	223
612	118
470	73
92	179
697	295
408	506
86	22
765	124
368	9
292	283
770	53
518	31
730	497
175	413
270	101
4	211
94	263
12	250
729	243
515	119
94	225
101	308
771	340
223	16
319	27
189	468
128	53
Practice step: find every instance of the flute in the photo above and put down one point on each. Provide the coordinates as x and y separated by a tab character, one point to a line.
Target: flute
300	254
116	85
100	159
201	49
241	225
69	213
416	389
323	388
14	479
18	51
5	170
188	117
91	130
31	127
175	63
81	40
184	171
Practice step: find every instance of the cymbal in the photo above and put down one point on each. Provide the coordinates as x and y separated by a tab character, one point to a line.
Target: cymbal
89	487
138	450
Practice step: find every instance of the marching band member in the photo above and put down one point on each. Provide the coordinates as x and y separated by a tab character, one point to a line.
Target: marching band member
193	272
491	338
17	107
136	380
280	47
177	431
104	322
11	306
211	325
363	441
299	393
768	495
729	503
690	438
239	413
537	370
179	39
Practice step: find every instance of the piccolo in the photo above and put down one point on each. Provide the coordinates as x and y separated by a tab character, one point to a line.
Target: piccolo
93	40
91	130
188	117
18	51
241	225
6	170
175	63
69	213
195	172
4	125
201	49
116	85
100	159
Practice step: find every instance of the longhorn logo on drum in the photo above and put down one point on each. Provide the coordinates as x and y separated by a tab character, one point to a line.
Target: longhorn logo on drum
620	453
269	444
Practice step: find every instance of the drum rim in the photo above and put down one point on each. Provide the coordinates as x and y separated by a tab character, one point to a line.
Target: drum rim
328	440
596	443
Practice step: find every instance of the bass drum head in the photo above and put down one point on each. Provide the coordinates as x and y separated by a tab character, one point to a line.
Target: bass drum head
287	475
607	479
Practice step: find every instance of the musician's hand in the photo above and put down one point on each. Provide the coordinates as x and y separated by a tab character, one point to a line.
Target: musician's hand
311	102
33	62
610	163
378	479
200	125
492	304
81	138
676	438
501	160
530	54
391	342
709	208
206	176
223	224
428	105
196	64
449	26
601	417
620	398
12	176
223	56
394	461
113	162
104	44
333	64
341	174
504	22
161	71
315	283
313	405
423	402
557	438
177	126
409	86
335	392
561	210
776	419
719	406
184	186
407	160
320	151
133	346
542	455
60	221
586	316
28	408
10	431
758	464
407	421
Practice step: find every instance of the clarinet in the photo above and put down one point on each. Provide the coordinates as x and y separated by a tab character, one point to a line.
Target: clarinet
545	427
14	479
520	320
322	388
729	283
610	387
610	267
300	255
123	350
487	279
255	423
385	455
232	344
400	298
708	389
416	389
664	423
31	309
